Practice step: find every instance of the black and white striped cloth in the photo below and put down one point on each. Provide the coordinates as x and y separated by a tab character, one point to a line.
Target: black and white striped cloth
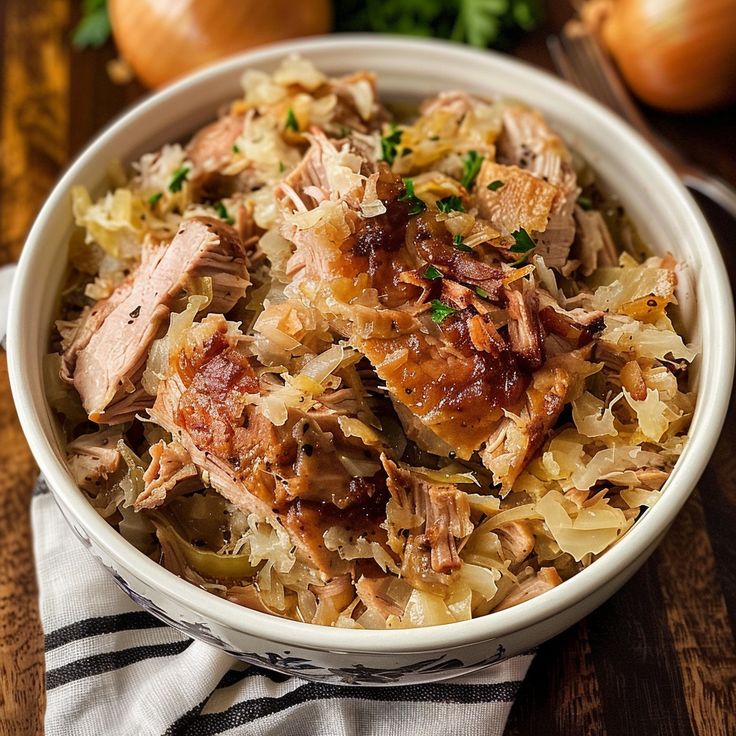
113	669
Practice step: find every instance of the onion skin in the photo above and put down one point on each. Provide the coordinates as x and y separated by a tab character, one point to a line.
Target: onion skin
165	39
678	55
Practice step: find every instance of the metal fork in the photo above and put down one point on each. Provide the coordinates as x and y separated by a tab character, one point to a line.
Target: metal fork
580	59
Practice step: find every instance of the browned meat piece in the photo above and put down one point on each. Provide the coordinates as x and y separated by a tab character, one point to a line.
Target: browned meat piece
440	513
593	243
523	201
92	458
576	327
485	336
542	581
433	244
456	391
222	476
108	368
517	541
170	473
343	243
358	106
517	437
527	141
291	472
525	331
211	148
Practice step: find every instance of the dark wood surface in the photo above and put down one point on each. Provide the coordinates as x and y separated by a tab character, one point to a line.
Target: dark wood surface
658	658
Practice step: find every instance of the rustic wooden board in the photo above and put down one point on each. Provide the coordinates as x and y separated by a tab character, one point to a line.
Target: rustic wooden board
659	658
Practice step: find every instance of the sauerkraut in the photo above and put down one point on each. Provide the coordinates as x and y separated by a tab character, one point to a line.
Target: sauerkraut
439	387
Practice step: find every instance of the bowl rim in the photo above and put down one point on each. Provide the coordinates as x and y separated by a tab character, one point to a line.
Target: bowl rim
711	406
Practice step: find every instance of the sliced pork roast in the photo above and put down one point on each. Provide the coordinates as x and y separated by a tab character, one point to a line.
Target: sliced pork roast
528	147
291	474
105	363
92	458
170	473
456	377
437	513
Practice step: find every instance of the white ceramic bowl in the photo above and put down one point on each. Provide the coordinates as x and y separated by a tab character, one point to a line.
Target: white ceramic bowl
655	199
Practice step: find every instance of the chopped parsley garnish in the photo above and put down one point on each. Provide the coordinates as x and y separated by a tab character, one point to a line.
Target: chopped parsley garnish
494	186
415	204
432	273
390	143
523	242
178	178
282	167
585	202
457	241
482	293
450	204
471	166
440	311
236	148
155	198
222	213
291	122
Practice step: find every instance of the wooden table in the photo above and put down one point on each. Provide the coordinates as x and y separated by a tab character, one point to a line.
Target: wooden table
658	658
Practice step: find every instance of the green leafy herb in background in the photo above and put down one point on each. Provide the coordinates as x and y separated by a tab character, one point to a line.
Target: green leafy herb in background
94	27
496	23
481	23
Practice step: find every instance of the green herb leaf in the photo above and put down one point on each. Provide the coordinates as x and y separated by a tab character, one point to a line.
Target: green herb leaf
93	29
450	204
478	22
236	148
471	166
282	167
178	178
415	204
482	293
432	273
457	241
390	143
585	202
223	214
155	198
440	311
523	242
291	122
495	185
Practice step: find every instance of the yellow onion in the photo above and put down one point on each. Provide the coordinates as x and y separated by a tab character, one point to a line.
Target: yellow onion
164	39
678	55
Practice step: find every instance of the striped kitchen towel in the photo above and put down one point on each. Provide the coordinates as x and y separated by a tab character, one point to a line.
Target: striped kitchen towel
113	669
